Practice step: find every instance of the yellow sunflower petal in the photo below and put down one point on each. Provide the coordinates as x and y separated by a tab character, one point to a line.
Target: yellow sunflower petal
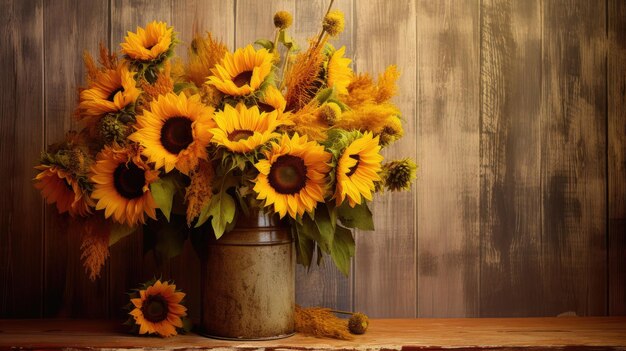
243	129
175	132
357	169
120	177
149	43
288	179
242	72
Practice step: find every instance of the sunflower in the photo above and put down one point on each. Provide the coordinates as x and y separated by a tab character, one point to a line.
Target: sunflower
357	170
113	91
339	71
152	43
175	131
243	72
272	100
292	177
158	309
122	185
60	187
244	129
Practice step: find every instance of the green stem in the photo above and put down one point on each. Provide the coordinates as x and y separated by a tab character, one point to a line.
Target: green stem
342	312
284	70
329	7
276	40
319	38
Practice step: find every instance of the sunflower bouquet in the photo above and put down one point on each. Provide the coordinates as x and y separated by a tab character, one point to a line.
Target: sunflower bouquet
180	149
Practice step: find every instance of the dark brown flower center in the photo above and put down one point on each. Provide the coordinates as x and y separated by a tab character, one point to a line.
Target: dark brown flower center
176	134
263	107
288	175
155	308
240	134
242	78
129	180
111	96
353	169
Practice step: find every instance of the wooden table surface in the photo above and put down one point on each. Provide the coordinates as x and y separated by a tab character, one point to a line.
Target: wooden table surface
566	333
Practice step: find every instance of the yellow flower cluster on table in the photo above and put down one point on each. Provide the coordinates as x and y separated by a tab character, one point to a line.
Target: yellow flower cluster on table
291	132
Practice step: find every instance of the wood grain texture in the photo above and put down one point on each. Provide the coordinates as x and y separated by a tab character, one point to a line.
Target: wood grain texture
510	150
323	285
254	19
448	134
384	265
128	265
201	16
607	333
191	17
80	26
573	158
514	110
21	142
616	85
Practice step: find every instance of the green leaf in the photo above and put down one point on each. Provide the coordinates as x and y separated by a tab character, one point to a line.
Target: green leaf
309	229
325	225
163	191
305	248
287	40
165	238
359	216
320	256
267	44
222	209
170	241
342	249
119	231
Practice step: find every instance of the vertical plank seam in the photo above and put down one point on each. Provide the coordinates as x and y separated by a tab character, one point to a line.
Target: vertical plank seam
234	25
480	150
355	43
415	194
541	148
44	117
109	26
607	227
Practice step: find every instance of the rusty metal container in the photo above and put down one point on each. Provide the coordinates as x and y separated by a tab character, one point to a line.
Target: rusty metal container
248	282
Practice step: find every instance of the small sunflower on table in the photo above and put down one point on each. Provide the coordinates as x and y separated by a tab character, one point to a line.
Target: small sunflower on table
180	150
156	308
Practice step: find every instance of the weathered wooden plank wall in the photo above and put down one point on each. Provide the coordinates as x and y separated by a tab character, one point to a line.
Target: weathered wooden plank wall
514	110
67	289
573	157
510	211
384	266
448	187
21	140
616	128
